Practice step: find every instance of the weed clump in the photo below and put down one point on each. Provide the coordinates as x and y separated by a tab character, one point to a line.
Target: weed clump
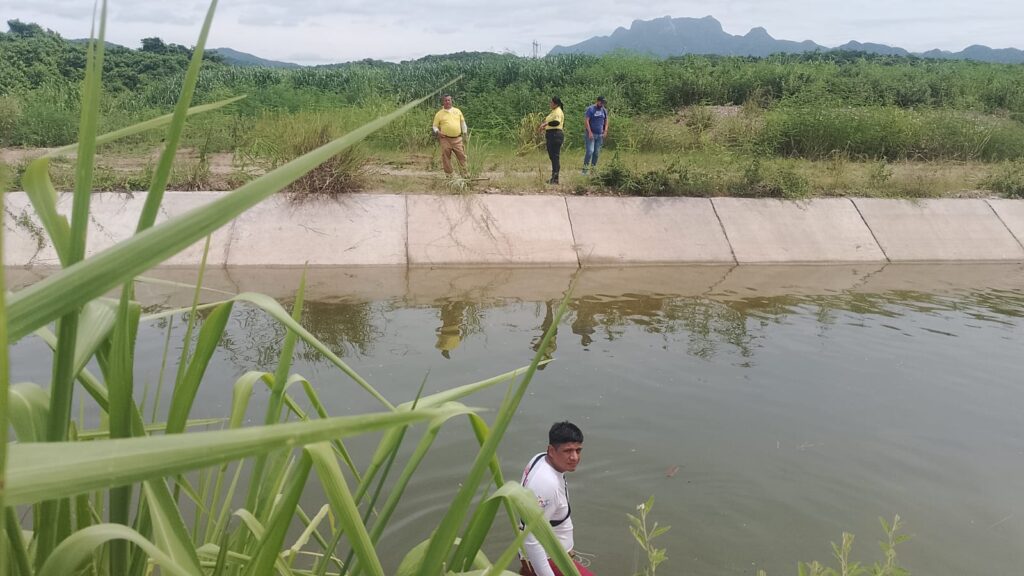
1008	179
279	139
676	179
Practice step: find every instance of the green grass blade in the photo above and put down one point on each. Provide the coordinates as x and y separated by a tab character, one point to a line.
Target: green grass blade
150	428
50	521
268	466
344	506
524	502
507	557
441	542
89	382
284	363
392	437
87	140
152	124
267	553
186	345
78	548
27	408
311	531
188	88
121	388
185	392
241	394
40	191
18	547
343	453
272	307
396	493
67	290
469	546
5	372
169	530
96	322
52	470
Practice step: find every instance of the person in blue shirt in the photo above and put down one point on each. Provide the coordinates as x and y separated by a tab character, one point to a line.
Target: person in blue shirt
595	120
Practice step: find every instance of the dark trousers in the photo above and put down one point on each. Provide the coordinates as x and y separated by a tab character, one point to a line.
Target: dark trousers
554	140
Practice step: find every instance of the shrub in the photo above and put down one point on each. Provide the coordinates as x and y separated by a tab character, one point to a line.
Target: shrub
890	133
677	179
10	119
280	138
1007	179
771	179
651	134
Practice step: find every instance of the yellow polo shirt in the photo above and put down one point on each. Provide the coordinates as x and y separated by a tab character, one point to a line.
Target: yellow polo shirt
556	116
449	121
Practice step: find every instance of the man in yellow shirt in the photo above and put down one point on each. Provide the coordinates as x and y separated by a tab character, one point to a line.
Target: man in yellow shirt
450	127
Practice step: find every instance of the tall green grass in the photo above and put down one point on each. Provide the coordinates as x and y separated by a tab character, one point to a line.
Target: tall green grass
115	506
891	133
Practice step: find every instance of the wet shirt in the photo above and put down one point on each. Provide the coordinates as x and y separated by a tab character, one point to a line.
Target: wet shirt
549	486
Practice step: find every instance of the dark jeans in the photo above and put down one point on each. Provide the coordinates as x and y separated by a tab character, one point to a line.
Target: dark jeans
554	140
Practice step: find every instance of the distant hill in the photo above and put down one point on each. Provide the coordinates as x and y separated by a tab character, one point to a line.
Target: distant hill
236	58
669	36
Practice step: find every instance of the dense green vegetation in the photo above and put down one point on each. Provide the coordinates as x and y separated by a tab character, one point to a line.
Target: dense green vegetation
734	124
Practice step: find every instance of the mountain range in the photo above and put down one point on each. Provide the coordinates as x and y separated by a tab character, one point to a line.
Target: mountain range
669	36
236	58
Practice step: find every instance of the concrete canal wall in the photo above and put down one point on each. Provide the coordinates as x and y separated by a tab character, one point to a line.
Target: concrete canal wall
555	231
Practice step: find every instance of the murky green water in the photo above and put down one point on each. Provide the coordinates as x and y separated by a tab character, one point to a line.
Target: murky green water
796	402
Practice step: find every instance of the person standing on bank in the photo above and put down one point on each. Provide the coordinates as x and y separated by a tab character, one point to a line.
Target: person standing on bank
449	128
595	120
554	135
545	476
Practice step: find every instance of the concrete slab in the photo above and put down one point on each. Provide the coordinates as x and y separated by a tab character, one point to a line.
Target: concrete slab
1011	212
647	230
481	284
477	230
16	278
26	242
178	203
112	219
608	282
938	230
793	280
354	230
776	231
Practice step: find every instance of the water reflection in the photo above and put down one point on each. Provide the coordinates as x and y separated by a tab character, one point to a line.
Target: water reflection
813	399
704	326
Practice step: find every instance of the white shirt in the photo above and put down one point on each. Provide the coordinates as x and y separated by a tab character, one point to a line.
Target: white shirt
549	486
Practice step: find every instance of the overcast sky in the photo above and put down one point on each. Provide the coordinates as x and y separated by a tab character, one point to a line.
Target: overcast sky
325	31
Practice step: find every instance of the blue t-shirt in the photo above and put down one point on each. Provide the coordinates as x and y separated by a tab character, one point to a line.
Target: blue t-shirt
596	117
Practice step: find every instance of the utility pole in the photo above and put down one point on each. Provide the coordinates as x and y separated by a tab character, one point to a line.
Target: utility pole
536	49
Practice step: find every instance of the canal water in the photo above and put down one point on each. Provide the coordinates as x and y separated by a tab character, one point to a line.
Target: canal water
767	409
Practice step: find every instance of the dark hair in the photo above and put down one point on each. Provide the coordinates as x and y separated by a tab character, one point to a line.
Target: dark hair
563	433
557	101
602	100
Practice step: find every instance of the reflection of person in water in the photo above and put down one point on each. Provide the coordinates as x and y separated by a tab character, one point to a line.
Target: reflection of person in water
549	317
453	321
586	321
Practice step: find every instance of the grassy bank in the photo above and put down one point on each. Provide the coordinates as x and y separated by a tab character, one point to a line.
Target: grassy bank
788	125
